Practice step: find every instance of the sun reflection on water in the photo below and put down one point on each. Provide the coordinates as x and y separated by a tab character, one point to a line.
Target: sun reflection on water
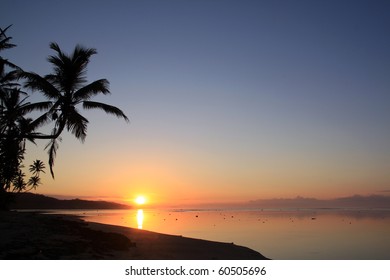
140	218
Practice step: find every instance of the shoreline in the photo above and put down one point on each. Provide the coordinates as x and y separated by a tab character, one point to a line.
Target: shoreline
30	235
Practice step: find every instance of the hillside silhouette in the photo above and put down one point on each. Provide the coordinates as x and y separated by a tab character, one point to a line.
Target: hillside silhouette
38	201
355	201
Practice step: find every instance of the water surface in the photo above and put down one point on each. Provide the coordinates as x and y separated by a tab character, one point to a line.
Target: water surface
277	234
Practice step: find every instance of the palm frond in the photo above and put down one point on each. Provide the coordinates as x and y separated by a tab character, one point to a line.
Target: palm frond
4	39
94	88
39	106
106	108
18	182
77	125
12	102
81	54
4	44
8	79
54	46
36	82
38	122
2	31
5	62
26	130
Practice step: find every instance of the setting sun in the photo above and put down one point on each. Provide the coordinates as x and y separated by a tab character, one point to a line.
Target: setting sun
140	200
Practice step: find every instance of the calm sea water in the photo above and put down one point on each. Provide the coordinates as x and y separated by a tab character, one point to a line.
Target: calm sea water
277	234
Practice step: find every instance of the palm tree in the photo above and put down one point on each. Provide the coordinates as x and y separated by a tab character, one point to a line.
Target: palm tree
67	88
13	111
37	167
7	80
14	126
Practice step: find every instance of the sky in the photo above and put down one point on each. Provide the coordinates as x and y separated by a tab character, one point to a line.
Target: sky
228	101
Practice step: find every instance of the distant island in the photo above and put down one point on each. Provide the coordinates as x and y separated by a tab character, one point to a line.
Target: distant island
38	201
355	201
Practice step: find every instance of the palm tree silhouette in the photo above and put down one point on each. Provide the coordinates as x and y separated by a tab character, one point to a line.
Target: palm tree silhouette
67	88
7	79
36	168
13	126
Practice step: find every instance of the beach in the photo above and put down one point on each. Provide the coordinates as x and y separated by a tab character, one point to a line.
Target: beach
33	235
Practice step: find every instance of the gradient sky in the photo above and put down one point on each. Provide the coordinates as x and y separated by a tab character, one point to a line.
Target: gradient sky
228	100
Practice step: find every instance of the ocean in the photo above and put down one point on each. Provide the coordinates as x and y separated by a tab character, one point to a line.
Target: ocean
283	234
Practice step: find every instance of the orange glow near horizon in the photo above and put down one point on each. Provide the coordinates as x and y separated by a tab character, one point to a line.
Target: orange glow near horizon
190	182
183	178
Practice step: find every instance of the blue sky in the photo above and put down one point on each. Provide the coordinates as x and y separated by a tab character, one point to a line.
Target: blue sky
228	100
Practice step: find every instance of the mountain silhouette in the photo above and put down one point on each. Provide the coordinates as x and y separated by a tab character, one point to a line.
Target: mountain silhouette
38	201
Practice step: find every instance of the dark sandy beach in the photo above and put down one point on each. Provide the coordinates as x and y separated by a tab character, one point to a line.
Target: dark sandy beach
26	235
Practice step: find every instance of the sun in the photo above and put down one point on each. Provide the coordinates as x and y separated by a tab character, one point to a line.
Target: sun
140	200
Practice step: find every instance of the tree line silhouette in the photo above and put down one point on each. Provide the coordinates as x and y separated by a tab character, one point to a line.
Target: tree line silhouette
65	91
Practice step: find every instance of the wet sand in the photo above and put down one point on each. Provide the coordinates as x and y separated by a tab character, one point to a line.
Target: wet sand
26	235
